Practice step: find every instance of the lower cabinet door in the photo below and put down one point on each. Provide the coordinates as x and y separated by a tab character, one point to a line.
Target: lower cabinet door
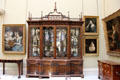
60	68
76	68
32	68
45	69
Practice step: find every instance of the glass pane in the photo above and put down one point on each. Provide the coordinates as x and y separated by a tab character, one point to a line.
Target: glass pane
61	42
35	42
48	42
75	32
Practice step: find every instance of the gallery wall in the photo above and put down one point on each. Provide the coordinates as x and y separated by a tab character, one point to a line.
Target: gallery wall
16	12
111	6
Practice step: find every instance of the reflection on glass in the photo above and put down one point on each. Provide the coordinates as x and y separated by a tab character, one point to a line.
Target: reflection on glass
75	42
48	42
35	33
61	42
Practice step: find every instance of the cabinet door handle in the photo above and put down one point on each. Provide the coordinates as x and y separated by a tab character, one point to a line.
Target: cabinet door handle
118	73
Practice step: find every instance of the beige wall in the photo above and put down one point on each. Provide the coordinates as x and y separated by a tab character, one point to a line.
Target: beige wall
16	12
111	6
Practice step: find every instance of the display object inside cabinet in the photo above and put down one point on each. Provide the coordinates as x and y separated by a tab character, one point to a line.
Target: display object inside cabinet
61	42
48	41
35	40
75	37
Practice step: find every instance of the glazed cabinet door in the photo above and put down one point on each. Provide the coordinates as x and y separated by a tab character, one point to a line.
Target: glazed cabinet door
75	41
34	42
48	41
61	42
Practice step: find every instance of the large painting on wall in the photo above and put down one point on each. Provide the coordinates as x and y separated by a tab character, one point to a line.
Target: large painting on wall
91	25
112	33
13	38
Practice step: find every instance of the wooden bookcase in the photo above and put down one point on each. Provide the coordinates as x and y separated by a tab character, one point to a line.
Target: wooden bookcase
55	46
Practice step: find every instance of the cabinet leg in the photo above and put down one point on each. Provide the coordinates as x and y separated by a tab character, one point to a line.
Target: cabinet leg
98	77
82	76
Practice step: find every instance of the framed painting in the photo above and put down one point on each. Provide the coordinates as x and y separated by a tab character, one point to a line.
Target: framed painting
91	46
112	33
91	25
13	38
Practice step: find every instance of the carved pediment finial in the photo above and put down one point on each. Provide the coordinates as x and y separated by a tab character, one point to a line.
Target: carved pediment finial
55	7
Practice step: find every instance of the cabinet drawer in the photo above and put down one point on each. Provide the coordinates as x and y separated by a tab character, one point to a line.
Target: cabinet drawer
106	70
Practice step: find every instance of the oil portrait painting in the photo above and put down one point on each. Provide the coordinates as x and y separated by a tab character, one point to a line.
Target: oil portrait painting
91	25
13	38
91	46
112	33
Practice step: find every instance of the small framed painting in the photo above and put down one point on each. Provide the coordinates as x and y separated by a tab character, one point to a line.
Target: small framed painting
112	33
13	38
91	46
91	25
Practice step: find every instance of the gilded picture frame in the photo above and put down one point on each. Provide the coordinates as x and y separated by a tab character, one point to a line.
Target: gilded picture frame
91	46
91	25
13	38
111	25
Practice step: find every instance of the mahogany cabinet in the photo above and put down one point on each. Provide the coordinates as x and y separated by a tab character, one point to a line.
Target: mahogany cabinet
108	70
55	46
